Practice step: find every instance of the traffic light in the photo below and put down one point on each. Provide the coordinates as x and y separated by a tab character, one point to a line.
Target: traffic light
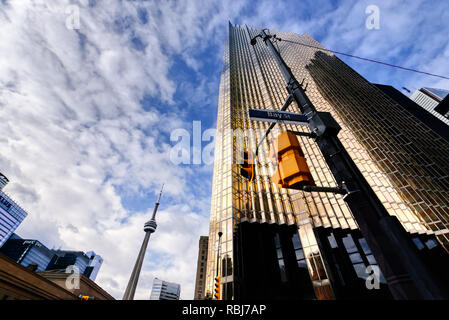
247	168
292	171
85	297
217	288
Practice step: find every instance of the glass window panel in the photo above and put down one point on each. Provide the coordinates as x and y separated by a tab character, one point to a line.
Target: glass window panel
277	241
332	241
296	242
431	243
371	259
349	244
418	243
279	252
360	269
364	246
299	254
282	269
355	258
302	264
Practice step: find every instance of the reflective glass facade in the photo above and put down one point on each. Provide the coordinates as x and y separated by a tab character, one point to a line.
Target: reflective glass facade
95	263
163	290
27	252
404	161
88	263
11	215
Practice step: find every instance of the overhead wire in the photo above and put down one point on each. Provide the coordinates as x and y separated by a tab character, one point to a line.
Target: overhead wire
365	59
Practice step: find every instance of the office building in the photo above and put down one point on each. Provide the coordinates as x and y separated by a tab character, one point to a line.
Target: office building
87	264
280	243
164	290
443	107
27	252
86	287
33	254
430	99
11	214
18	282
201	269
438	126
21	283
95	262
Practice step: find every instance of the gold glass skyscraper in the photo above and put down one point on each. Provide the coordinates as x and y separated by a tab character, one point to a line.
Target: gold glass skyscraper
404	161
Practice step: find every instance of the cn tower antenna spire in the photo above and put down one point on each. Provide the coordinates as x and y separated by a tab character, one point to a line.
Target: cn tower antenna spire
149	227
157	203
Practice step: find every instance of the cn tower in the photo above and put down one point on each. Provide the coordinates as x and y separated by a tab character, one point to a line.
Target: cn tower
149	227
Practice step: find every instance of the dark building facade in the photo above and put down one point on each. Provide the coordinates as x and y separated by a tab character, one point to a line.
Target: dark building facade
283	243
21	283
33	254
24	283
434	101
416	110
200	282
28	253
63	259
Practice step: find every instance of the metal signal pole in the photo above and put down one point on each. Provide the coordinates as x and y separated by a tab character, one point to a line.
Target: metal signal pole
407	276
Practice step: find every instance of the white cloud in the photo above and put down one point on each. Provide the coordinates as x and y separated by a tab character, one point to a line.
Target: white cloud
74	129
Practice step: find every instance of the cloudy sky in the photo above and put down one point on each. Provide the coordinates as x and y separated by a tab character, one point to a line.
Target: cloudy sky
88	110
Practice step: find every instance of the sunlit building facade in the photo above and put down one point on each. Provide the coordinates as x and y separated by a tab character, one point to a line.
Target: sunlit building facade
277	241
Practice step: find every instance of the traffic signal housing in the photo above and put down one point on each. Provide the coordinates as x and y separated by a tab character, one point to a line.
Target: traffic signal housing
217	288
292	171
247	168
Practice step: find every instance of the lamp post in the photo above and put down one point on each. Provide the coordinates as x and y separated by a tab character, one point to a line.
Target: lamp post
218	266
218	251
149	227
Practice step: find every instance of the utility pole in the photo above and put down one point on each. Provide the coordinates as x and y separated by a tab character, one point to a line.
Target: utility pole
149	227
218	257
218	252
407	276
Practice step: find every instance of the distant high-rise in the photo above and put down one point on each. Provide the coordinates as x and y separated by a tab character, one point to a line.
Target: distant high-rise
11	214
87	264
201	269
32	253
164	290
430	99
416	110
282	243
95	263
27	252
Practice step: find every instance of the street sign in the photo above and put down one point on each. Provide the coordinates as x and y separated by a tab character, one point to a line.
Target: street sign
277	116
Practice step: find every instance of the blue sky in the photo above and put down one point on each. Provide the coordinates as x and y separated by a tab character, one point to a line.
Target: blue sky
88	113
